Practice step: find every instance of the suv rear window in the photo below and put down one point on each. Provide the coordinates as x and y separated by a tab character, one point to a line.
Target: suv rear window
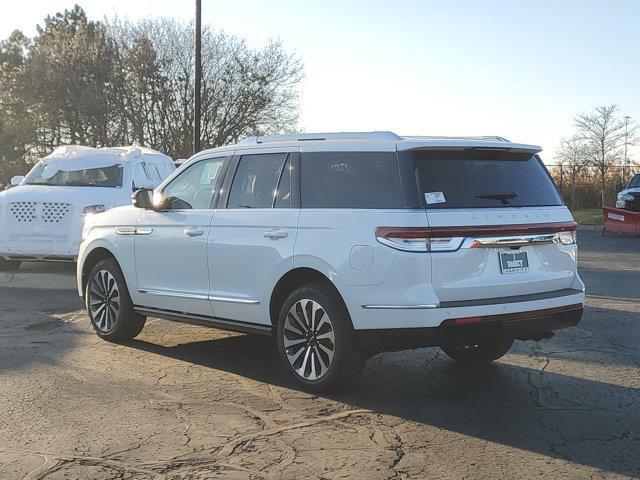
483	179
350	180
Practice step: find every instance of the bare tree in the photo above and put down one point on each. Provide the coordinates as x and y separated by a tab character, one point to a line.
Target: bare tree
245	91
117	82
604	133
576	155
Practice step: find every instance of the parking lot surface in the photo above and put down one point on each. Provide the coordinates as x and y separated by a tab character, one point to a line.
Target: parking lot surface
184	402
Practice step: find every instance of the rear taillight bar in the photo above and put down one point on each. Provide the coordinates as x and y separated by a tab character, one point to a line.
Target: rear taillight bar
446	239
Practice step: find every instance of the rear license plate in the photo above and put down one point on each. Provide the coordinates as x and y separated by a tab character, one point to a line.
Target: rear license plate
513	262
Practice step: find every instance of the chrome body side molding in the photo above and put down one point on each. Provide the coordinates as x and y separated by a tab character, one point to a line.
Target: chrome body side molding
244	301
167	293
198	296
401	307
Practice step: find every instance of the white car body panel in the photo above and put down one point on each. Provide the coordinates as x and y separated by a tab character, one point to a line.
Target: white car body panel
245	265
171	267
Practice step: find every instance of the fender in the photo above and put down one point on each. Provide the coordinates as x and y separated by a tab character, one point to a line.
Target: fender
122	253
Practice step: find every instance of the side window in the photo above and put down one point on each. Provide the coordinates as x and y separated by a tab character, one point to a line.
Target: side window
194	188
153	174
256	179
350	180
283	193
140	178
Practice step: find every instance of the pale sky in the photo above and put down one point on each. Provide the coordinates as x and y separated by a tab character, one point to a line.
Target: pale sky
518	69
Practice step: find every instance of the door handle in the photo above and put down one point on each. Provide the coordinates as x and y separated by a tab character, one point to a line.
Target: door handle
193	232
275	234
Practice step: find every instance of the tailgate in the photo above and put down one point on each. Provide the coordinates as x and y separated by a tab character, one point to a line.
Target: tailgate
499	259
498	227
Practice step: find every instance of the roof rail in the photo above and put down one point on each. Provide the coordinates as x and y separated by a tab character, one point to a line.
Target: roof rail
306	137
494	138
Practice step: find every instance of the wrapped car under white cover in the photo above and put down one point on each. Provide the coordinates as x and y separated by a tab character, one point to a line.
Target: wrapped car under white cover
42	218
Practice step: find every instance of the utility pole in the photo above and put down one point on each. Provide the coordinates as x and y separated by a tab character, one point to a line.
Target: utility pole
626	141
198	78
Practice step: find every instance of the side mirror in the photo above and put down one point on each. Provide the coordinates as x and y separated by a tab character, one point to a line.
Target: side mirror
143	198
17	180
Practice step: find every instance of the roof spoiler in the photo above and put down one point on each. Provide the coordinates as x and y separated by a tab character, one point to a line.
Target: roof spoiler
470	146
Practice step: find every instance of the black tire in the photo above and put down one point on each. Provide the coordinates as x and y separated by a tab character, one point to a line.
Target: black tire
347	361
116	321
484	352
9	265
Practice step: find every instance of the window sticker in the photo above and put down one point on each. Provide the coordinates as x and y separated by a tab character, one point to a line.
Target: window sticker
434	197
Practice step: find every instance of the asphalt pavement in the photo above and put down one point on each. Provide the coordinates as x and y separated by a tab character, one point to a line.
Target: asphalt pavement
186	402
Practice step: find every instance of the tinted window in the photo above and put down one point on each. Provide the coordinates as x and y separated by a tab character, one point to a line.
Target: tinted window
283	193
194	187
483	179
350	180
256	179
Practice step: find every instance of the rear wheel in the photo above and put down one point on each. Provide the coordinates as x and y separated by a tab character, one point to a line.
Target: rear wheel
484	352
315	339
9	265
108	303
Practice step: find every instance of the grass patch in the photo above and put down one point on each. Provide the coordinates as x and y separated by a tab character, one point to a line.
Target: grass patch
588	216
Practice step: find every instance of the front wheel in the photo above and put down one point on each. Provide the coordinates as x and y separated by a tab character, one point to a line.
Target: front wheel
484	352
108	303
315	339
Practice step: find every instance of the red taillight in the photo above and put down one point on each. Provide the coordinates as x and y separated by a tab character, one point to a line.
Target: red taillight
402	232
416	239
408	239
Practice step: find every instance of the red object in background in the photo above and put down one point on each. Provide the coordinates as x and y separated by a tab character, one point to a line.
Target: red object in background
621	221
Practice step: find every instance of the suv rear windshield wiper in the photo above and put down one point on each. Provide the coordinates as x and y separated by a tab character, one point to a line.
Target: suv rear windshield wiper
503	197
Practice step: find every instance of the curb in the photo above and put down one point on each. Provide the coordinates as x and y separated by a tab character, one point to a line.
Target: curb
38	281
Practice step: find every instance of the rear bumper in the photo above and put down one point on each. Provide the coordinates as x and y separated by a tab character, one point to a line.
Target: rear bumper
536	324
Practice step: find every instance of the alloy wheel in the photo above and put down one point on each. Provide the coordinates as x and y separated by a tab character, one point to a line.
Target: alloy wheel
309	339
104	300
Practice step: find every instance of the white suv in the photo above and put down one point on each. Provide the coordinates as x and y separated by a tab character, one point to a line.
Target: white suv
341	246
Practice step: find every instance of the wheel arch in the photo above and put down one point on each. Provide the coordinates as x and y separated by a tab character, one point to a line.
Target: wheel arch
296	278
90	261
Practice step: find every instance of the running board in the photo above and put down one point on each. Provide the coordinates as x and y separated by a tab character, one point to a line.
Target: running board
206	321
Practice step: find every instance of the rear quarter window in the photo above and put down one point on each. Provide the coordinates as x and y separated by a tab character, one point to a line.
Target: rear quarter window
482	179
350	180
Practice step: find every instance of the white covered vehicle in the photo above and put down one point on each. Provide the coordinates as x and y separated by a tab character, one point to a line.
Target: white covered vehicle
42	216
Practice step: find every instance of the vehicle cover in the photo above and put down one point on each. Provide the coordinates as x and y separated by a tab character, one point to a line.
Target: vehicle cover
42	219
